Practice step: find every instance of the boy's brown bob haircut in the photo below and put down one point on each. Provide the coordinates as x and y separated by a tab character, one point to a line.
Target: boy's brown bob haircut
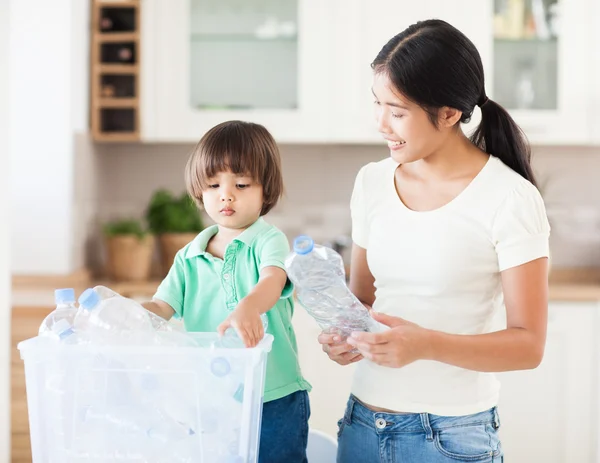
243	148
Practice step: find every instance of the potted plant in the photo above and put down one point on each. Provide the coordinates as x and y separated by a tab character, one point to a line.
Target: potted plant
129	250
175	220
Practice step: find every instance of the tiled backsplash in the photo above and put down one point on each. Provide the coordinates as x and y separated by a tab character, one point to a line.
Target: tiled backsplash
319	180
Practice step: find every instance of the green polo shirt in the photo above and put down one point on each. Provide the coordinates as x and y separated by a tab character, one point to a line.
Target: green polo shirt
203	290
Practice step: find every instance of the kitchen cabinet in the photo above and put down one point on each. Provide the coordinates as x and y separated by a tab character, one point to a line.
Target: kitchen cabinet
541	72
207	61
302	67
549	414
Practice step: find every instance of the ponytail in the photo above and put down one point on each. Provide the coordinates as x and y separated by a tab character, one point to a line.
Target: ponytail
499	135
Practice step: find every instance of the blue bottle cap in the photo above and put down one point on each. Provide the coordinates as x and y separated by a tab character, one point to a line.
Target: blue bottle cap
64	296
303	244
220	367
89	299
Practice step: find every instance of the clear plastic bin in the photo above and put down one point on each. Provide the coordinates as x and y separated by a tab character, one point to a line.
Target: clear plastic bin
144	404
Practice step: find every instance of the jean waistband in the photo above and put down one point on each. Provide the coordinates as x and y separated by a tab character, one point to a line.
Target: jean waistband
414	422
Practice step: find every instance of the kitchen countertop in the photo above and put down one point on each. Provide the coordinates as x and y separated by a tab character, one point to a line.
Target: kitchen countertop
574	284
564	285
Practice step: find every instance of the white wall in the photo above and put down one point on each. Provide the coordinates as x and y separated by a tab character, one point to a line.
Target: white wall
4	239
48	104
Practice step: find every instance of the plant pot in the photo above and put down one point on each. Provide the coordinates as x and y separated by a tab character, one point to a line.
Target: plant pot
170	244
129	257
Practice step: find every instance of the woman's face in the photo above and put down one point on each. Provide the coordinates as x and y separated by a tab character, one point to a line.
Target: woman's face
406	126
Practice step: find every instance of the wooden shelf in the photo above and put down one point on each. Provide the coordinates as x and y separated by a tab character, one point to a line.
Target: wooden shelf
117	103
117	136
113	37
117	4
117	68
115	118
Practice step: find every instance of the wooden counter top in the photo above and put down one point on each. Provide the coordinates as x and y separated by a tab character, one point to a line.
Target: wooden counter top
574	284
564	285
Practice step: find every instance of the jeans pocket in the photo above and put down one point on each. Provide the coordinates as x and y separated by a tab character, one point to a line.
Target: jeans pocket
477	443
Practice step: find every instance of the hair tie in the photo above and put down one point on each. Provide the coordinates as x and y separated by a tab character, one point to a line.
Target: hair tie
481	103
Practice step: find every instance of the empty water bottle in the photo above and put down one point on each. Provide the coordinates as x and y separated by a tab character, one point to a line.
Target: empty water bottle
62	330
116	320
63	315
166	334
320	280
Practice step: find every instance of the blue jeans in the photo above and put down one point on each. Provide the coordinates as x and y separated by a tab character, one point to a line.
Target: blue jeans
365	436
284	429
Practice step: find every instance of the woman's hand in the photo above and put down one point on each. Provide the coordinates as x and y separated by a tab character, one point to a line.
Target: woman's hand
401	345
338	350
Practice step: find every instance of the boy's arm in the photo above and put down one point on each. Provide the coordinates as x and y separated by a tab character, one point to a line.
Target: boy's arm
245	319
272	285
160	308
267	291
170	294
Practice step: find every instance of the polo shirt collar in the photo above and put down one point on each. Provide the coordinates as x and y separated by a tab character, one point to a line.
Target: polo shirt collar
198	246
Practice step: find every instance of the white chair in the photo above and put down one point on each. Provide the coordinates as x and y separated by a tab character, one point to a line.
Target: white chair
322	448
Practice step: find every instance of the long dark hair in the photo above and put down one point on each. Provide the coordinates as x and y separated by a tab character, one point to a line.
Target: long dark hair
434	65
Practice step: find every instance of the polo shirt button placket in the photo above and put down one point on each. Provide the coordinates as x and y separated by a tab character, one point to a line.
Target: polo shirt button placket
228	280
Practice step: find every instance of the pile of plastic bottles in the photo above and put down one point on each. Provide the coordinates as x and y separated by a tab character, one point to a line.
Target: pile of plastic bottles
141	407
103	317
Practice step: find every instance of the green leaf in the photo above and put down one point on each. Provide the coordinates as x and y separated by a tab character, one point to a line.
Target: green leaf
167	213
124	227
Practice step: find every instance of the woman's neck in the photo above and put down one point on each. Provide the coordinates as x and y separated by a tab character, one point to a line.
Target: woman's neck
456	157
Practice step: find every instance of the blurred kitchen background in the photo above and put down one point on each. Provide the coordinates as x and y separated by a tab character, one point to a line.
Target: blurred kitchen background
108	98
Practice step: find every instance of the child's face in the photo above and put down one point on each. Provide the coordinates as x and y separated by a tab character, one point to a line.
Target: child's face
233	201
406	126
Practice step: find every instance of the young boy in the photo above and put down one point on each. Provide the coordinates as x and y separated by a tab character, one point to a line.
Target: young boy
233	272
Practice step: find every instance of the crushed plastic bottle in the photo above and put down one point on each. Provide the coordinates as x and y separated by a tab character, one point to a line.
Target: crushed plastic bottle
63	315
320	280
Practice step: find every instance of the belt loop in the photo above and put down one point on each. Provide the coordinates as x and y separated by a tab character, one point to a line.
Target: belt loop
427	426
496	418
349	410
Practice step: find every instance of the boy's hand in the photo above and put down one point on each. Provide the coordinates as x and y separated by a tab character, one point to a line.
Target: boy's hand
245	319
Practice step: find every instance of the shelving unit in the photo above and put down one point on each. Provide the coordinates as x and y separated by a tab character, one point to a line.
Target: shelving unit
115	71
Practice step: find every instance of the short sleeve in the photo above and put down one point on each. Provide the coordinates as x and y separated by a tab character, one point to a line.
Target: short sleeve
521	231
272	253
360	229
171	289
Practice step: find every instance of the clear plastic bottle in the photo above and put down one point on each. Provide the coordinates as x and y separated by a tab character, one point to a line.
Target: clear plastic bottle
166	334
320	280
66	309
115	320
62	330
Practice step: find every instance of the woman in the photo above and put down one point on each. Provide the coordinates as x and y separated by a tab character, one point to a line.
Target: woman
447	231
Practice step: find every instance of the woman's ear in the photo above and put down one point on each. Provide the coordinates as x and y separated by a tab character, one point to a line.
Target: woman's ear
448	117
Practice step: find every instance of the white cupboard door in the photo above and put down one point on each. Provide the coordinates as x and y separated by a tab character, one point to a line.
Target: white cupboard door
206	62
547	414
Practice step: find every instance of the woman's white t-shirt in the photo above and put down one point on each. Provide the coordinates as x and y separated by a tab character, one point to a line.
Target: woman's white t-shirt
441	270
